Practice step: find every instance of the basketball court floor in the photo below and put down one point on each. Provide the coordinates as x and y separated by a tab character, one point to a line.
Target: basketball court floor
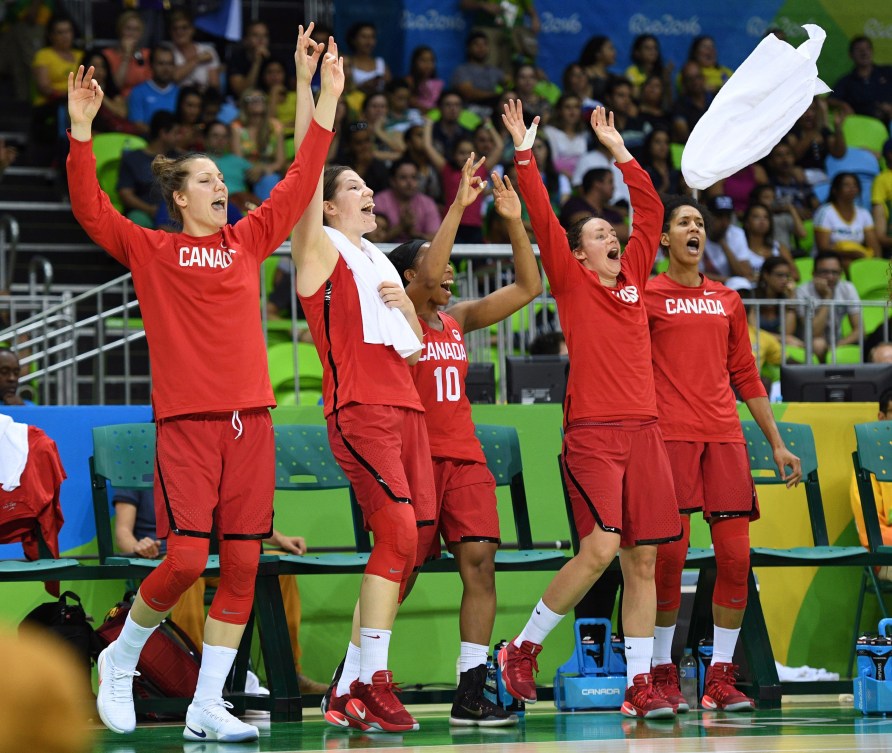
810	728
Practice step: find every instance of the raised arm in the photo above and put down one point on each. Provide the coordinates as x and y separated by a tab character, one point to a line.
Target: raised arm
527	284
313	253
429	273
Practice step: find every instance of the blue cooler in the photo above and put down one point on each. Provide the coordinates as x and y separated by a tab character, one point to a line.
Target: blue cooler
872	687
594	677
704	659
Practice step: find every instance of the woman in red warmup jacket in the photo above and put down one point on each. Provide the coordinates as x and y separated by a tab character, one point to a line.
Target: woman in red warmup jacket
467	515
215	456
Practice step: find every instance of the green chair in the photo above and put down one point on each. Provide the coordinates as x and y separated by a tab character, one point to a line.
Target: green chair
281	366
870	278
108	147
289	149
675	151
806	245
865	132
806	267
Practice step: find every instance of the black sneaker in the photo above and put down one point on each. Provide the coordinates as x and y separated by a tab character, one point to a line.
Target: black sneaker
335	679
471	708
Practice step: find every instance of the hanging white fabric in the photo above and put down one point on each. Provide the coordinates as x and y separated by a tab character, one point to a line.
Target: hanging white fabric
755	109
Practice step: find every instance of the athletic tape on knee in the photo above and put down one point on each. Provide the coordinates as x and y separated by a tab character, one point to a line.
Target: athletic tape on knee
238	570
187	557
731	541
396	542
670	563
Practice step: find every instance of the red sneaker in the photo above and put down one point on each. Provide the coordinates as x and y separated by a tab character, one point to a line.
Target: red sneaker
517	666
666	684
719	692
644	702
336	712
377	706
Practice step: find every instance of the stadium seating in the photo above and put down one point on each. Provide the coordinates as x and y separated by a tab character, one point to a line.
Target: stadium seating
860	162
870	278
865	132
108	147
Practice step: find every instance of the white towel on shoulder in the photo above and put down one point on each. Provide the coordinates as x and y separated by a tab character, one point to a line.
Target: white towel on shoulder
370	267
752	112
13	452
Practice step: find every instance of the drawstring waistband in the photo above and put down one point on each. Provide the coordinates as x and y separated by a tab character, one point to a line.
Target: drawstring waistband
237	424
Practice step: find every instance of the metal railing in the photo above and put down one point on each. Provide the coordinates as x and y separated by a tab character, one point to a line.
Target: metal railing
9	242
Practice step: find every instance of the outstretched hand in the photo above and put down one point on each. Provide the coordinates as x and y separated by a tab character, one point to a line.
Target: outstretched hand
512	117
506	199
471	185
332	70
84	97
602	125
306	54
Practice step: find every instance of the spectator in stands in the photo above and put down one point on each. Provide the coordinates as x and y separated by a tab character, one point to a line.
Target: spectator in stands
447	130
237	171
282	99
827	286
49	71
622	106
7	156
188	114
508	25
475	80
411	214
400	116
596	59
112	116
358	151
843	226
647	62
548	344
247	59
10	373
575	81
567	134
195	63
128	61
758	226
135	534
656	159
692	103
558	184
597	189
789	181
703	53
526	81
881	201
370	72
158	93
775	282
424	86
652	112
258	138
727	258
882	490
867	88
23	34
375	111
137	186
419	145
812	140
788	227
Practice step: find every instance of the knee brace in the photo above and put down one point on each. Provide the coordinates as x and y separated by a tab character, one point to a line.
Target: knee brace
396	542
238	569
670	563
731	540
187	557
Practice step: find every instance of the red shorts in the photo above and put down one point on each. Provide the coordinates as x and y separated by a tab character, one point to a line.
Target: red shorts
385	453
467	509
713	477
207	475
618	477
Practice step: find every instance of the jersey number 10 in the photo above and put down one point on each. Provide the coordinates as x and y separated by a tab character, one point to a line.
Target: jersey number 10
452	384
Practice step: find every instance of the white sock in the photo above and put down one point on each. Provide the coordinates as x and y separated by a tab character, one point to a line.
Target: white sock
350	671
471	655
542	621
216	662
129	644
639	652
723	643
663	645
374	646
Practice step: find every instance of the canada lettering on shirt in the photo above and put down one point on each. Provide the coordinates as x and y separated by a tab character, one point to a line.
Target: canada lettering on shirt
695	306
199	256
445	351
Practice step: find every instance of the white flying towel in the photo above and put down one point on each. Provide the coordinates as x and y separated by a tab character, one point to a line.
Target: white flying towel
370	267
757	107
13	452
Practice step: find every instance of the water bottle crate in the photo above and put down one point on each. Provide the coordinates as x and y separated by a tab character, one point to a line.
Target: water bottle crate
704	659
872	688
594	677
495	689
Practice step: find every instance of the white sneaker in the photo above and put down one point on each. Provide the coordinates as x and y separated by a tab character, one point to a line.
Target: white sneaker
214	722
114	700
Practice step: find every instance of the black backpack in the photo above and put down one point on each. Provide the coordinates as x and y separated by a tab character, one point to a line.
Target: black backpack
69	621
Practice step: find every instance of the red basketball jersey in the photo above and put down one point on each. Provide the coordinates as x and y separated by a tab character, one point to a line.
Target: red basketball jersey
439	378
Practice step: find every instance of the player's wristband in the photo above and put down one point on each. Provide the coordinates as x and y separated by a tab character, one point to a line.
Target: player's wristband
528	138
522	157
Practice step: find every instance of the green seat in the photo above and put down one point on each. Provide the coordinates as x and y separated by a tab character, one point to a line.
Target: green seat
806	267
870	278
865	132
107	148
289	149
675	152
797	354
807	244
281	357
